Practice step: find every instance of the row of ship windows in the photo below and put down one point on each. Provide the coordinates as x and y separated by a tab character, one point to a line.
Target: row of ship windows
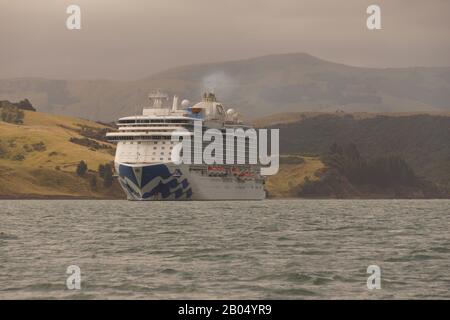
152	137
161	159
161	148
226	147
120	138
153	153
193	153
155	142
155	121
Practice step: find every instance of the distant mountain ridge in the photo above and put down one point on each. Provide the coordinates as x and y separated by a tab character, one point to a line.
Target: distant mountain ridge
256	87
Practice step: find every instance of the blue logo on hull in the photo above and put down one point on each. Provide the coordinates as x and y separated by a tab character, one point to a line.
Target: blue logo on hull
154	182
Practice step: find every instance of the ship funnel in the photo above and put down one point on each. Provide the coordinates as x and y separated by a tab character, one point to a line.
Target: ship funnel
209	97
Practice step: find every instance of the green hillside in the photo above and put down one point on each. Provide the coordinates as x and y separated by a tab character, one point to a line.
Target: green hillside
38	160
291	176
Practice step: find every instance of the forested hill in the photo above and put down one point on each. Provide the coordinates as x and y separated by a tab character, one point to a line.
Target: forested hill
423	140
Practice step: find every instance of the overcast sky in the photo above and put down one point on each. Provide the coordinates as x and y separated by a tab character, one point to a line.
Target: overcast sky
130	39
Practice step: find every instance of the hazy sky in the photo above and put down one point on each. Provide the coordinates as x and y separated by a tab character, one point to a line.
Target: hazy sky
130	39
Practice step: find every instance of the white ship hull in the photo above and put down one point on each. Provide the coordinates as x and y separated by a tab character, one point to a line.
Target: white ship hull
146	147
167	181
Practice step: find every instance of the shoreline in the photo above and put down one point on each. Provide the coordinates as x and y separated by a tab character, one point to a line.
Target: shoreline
58	197
53	197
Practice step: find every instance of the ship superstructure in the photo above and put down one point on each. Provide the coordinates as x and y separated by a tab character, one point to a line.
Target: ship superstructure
144	163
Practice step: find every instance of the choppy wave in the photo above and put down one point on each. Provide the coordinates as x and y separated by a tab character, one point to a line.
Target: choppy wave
228	250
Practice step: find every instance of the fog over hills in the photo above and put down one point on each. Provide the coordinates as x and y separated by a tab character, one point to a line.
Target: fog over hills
256	87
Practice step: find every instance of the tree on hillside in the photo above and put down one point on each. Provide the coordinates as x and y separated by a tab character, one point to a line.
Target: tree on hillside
389	170
25	105
81	168
108	178
381	171
101	171
108	167
93	182
11	114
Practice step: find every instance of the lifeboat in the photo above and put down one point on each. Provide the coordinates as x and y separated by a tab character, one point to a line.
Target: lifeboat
246	175
216	171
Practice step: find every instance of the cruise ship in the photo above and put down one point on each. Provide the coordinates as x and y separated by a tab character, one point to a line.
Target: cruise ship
144	156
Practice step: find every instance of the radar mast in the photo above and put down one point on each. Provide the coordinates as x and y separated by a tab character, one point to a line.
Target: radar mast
157	98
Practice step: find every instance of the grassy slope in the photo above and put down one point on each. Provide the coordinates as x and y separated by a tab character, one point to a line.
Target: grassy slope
36	175
289	176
